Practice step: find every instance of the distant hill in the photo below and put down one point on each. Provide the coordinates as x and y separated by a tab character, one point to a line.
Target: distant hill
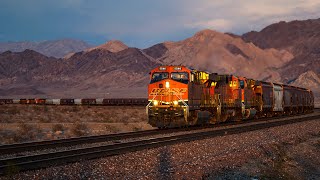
90	73
301	38
56	48
218	52
285	52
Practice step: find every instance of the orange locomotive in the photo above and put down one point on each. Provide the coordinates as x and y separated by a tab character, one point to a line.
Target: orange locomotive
168	96
179	96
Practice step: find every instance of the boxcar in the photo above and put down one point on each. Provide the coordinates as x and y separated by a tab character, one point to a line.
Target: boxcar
56	101
77	101
66	101
6	101
88	101
140	101
23	101
99	101
49	101
40	101
31	101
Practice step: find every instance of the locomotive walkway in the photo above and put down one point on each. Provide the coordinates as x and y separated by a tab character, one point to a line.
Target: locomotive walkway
62	157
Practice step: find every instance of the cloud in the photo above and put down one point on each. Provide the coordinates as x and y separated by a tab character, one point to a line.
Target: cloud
142	22
245	15
221	24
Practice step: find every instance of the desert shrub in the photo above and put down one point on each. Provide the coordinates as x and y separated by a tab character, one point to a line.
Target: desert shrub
137	128
125	119
3	109
46	119
26	132
13	110
75	109
6	136
57	127
6	120
112	129
36	108
79	129
108	120
45	108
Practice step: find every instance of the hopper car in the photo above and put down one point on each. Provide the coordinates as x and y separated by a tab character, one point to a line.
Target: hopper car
179	96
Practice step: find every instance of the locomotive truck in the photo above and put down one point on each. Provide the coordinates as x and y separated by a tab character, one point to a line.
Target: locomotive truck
179	96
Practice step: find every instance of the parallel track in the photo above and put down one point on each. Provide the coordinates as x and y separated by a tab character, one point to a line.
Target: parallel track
39	145
62	157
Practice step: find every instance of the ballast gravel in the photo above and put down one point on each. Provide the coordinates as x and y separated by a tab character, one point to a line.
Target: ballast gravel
289	151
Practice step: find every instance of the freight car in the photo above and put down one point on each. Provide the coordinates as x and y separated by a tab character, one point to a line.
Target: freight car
6	101
66	101
179	96
101	102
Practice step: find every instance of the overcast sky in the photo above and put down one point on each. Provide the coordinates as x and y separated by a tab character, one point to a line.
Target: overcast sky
142	23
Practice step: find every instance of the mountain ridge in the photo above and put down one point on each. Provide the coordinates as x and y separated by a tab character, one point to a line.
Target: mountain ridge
54	48
115	70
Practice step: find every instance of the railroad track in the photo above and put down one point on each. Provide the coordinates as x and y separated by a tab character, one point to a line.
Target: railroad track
39	145
68	156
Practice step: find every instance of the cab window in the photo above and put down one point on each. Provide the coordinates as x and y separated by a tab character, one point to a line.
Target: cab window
158	76
180	77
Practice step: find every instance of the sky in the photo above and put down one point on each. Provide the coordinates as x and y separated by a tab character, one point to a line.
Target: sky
142	23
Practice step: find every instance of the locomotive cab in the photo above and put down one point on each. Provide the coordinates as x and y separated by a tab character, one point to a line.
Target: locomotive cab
168	96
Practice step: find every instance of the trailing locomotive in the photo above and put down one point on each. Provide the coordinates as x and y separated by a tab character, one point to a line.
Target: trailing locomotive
179	96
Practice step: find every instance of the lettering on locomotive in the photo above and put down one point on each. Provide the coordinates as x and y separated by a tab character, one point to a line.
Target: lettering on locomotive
173	91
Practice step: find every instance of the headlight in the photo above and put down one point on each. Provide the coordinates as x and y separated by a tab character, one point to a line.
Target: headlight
167	84
175	103
155	103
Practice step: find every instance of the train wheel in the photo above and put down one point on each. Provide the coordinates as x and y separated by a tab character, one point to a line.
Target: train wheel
224	117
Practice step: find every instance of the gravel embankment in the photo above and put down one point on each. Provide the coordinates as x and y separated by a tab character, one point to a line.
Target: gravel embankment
280	152
88	145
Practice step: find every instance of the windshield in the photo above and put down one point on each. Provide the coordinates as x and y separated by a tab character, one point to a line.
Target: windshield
180	76
158	76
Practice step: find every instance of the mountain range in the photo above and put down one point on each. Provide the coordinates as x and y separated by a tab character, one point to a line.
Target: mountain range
286	52
55	48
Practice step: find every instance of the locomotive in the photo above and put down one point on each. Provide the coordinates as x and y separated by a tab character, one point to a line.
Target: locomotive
179	96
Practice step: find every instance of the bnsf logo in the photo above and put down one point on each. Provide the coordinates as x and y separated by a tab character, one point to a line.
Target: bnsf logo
174	91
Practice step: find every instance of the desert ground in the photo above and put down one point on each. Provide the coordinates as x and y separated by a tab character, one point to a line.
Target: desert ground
23	123
273	153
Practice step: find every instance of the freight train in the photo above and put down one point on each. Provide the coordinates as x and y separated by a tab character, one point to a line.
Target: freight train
179	96
102	102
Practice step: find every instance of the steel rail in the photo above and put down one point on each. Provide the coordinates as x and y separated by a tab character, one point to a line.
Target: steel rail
68	156
50	144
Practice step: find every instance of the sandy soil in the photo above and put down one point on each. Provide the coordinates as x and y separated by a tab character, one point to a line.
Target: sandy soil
21	123
273	153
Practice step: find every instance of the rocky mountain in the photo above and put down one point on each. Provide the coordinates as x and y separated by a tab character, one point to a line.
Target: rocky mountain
56	48
301	38
116	70
94	73
217	52
310	80
112	46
